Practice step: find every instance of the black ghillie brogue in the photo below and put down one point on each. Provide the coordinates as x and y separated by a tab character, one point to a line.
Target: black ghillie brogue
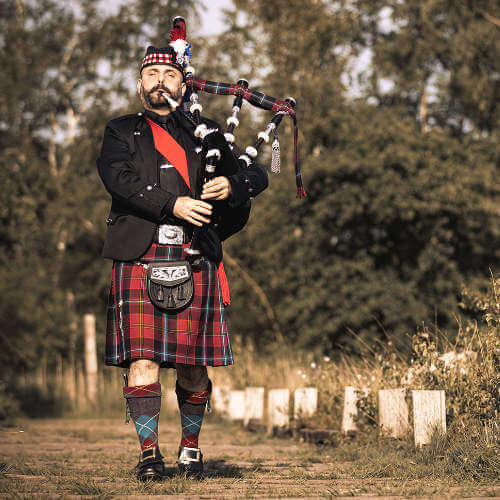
190	462
150	466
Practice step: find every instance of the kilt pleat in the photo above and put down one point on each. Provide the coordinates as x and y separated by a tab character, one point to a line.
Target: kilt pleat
136	329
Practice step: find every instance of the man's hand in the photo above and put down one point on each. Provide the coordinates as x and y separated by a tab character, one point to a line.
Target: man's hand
193	211
216	189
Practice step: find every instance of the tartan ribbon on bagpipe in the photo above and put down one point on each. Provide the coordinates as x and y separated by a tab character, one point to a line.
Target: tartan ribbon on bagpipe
259	100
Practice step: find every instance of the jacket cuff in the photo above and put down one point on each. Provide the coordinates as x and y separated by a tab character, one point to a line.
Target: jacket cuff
168	208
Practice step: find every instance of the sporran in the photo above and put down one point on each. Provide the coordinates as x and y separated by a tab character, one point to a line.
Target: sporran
170	284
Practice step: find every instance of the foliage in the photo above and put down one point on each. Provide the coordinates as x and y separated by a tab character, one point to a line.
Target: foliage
9	409
398	215
469	372
436	59
398	155
68	67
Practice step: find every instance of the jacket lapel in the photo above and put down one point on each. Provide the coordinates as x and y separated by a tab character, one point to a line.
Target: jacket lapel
193	158
145	145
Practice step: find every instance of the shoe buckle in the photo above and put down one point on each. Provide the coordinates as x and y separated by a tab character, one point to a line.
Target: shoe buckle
147	454
187	455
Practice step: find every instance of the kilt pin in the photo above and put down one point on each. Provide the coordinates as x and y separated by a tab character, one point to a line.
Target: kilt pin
136	329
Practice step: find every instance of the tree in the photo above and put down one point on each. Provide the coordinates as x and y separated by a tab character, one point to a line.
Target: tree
67	69
437	58
398	215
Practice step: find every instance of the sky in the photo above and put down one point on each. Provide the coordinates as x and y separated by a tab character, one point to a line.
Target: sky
212	19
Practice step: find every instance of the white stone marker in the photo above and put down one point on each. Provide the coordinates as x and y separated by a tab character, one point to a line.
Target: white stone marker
392	412
278	403
237	405
220	399
429	414
305	402
90	358
350	410
254	404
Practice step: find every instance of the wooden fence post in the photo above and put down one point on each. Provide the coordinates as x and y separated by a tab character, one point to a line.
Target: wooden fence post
69	375
59	380
236	405
81	400
305	402
278	402
90	358
393	412
254	404
429	415
350	410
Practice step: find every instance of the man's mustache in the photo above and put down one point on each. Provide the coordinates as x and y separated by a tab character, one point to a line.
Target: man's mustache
160	88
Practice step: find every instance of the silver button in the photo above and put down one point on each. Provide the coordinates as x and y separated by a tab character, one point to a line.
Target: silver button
149	187
139	114
137	132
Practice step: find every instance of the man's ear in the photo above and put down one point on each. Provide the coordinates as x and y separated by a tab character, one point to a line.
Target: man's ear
183	86
139	83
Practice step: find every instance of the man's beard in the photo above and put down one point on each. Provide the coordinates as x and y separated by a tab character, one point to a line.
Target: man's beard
155	100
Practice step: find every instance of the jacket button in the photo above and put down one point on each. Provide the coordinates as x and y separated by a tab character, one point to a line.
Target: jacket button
137	132
139	114
149	187
141	195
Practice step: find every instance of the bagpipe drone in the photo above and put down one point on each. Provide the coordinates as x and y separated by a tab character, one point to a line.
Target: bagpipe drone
241	91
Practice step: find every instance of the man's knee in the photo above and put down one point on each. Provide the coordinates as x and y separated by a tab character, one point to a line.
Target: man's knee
143	372
192	378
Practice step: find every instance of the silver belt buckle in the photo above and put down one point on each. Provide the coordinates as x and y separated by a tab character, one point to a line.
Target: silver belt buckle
170	235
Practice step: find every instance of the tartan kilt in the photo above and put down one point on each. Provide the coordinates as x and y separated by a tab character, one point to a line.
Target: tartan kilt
136	329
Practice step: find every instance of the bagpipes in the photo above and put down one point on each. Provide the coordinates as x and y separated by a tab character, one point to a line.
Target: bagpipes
241	91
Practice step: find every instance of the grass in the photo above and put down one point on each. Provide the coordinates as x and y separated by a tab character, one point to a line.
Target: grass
464	462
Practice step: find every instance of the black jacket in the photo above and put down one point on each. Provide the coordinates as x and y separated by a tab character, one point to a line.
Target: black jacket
128	168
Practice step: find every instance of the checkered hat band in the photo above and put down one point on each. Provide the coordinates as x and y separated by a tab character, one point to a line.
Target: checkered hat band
157	58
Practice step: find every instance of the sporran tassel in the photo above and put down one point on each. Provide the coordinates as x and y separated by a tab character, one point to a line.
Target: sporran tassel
276	154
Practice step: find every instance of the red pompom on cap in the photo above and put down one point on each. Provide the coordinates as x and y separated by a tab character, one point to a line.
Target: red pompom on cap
179	29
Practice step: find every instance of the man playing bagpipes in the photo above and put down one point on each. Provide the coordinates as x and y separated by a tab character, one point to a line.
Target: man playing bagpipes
178	189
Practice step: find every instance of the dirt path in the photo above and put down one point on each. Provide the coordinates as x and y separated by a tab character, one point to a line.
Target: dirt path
68	458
